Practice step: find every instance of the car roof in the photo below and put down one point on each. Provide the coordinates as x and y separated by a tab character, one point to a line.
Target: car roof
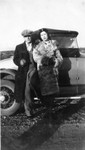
59	33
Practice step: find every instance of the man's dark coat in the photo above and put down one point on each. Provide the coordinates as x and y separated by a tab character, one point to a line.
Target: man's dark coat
20	78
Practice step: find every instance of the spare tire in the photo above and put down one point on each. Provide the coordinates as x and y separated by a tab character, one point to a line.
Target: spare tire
7	101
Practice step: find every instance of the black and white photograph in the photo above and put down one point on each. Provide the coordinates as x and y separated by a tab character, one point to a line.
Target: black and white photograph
42	74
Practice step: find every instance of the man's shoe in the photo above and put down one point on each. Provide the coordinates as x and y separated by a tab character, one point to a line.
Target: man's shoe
28	113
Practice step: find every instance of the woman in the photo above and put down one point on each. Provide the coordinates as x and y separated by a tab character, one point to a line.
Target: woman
48	59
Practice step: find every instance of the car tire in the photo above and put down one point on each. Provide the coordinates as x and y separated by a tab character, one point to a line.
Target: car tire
8	103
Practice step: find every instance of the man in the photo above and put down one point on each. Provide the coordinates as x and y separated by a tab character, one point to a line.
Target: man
23	61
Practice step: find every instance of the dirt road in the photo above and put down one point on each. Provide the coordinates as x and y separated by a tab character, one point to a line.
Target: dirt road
63	130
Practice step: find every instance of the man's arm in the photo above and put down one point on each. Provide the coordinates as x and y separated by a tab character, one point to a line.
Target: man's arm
16	58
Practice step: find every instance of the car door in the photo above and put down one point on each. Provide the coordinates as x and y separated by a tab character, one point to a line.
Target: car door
81	71
68	72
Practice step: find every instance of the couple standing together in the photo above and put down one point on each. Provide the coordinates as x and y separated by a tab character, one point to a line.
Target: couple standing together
37	68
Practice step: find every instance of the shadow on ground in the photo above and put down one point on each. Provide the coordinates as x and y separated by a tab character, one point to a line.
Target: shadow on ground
44	129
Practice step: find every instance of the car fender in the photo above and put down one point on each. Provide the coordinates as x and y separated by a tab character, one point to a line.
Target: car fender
8	74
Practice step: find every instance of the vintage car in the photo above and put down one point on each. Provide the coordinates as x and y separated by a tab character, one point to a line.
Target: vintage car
71	73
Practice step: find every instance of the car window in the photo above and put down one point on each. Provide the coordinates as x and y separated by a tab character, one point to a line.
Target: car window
67	45
66	42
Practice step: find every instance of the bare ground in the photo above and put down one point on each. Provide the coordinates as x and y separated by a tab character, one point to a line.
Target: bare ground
63	129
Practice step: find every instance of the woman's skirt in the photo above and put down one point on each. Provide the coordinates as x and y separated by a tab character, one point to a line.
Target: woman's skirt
48	80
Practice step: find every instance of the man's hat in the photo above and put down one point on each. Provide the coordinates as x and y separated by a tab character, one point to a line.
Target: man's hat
26	33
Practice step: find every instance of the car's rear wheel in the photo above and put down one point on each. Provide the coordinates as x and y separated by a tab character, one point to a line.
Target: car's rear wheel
7	101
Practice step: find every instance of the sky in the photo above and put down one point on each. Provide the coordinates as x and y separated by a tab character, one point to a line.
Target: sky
17	15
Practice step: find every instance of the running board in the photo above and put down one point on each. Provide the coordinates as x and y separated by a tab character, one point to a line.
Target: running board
71	98
67	98
63	100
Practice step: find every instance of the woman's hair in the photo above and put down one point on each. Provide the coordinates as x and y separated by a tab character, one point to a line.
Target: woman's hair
45	30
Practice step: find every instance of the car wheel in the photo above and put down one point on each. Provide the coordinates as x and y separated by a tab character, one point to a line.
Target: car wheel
8	104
